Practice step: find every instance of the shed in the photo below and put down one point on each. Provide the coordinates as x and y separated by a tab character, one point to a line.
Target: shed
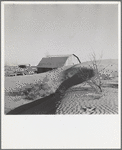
54	62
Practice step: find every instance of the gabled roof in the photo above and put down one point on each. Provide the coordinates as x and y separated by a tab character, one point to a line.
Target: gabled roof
54	61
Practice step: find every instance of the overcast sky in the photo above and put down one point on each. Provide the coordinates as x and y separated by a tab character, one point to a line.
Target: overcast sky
35	30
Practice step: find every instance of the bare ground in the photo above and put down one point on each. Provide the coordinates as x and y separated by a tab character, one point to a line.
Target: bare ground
13	86
79	99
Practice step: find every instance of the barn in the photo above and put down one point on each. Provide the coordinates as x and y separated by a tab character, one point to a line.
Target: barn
54	62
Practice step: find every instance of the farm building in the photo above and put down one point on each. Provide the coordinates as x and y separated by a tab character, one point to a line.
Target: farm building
54	62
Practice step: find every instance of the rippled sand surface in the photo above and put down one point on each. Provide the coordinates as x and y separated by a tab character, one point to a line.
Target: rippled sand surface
78	99
85	101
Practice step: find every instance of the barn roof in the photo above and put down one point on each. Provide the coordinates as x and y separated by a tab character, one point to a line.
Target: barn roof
54	61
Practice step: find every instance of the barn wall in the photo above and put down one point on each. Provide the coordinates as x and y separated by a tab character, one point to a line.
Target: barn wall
75	60
69	61
72	60
41	70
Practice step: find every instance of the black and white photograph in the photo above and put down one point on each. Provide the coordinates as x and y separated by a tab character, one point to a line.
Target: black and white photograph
61	59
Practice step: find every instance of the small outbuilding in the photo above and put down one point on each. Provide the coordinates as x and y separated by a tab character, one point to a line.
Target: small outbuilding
54	62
